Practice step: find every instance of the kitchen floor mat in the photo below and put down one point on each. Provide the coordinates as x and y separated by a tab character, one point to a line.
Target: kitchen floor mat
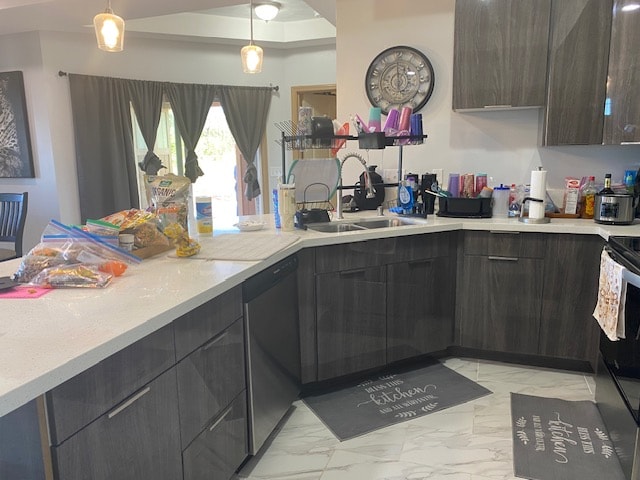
384	400
560	439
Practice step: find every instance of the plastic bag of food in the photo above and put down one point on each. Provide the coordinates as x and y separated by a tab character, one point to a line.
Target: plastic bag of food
169	197
126	219
185	246
62	246
74	275
148	234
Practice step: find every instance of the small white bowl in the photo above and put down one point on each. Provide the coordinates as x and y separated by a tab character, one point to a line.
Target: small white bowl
249	226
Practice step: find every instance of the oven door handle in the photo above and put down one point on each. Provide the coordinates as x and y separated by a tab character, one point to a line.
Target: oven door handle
627	274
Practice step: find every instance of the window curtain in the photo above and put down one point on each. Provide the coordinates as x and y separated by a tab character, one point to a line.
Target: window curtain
191	104
246	110
105	159
146	98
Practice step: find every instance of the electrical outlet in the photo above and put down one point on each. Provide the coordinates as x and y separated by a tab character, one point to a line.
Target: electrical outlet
390	175
275	171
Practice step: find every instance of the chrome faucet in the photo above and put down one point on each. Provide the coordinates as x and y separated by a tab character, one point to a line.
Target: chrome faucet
371	191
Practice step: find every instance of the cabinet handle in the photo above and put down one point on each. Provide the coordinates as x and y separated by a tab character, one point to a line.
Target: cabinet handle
497	106
352	273
222	417
504	259
629	143
128	402
415	263
503	232
215	340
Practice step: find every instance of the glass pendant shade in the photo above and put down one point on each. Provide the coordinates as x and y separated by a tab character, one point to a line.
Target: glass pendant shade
109	31
251	58
267	11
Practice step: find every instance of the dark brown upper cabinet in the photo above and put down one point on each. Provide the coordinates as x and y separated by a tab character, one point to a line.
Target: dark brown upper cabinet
578	59
500	54
622	107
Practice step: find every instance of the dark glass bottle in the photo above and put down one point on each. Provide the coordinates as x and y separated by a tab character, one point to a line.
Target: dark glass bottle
607	190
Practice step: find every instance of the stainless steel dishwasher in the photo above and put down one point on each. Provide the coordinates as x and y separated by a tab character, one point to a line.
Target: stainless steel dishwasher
272	346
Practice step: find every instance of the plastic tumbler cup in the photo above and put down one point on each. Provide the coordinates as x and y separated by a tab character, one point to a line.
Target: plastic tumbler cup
454	184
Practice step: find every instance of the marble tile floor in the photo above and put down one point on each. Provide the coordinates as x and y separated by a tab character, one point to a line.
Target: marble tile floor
471	441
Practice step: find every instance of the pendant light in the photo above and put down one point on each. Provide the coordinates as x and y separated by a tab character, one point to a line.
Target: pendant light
251	54
267	10
109	30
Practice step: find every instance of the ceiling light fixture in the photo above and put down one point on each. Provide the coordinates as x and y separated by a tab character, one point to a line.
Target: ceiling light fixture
267	10
109	30
251	54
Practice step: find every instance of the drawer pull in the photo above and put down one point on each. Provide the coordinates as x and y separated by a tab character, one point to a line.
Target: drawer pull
504	259
215	340
497	106
128	402
503	232
222	417
425	261
352	273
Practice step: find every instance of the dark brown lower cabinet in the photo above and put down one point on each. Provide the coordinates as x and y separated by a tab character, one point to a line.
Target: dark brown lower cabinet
209	379
567	327
351	317
138	438
420	307
499	301
218	451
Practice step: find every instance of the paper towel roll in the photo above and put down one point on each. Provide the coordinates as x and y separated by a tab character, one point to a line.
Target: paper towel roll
538	190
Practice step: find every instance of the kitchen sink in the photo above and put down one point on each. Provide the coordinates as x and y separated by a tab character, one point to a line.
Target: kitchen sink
381	223
334	227
337	227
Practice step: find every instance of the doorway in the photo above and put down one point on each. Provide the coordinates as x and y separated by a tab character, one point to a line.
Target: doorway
322	99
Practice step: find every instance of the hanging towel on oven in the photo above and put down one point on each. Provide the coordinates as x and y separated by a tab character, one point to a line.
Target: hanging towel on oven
612	291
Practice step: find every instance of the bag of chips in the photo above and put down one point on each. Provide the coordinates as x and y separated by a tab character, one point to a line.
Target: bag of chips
169	197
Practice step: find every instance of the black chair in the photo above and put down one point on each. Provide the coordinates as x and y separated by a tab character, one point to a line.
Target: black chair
13	214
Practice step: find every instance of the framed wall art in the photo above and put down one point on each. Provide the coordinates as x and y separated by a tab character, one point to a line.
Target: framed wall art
16	160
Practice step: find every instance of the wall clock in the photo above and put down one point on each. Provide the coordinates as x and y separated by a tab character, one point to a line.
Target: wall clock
399	76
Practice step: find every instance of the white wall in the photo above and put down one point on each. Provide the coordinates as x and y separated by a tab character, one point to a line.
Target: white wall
22	52
42	54
502	144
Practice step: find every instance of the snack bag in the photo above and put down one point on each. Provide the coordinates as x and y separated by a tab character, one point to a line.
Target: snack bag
185	246
169	198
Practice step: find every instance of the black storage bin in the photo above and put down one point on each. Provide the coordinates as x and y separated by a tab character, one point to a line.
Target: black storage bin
464	207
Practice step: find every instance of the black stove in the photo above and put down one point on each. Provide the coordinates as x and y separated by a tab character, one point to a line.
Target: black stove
626	251
618	372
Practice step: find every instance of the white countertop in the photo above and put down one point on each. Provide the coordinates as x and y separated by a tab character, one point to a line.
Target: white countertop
48	340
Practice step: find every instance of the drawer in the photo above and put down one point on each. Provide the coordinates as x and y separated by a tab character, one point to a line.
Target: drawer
221	448
373	253
505	244
138	438
194	328
209	379
82	399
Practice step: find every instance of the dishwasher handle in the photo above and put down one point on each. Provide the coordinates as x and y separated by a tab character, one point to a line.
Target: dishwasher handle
261	282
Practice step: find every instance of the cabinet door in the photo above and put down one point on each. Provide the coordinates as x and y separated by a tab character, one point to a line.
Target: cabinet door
622	118
222	447
567	327
578	52
85	397
420	307
307	314
499	301
351	316
500	53
209	379
139	438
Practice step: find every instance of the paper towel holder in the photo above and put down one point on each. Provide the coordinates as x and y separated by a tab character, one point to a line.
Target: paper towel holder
524	219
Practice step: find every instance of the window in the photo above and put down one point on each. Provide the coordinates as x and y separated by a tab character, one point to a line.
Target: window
218	157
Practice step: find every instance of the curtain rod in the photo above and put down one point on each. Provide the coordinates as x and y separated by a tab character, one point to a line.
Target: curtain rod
275	88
